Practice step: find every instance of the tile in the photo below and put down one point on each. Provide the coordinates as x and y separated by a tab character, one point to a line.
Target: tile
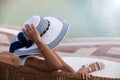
85	51
4	48
114	51
63	54
3	38
79	52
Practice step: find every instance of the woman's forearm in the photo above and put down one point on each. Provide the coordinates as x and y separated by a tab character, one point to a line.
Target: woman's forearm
67	68
53	59
48	54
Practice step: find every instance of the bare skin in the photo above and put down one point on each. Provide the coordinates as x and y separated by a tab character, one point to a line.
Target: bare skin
52	61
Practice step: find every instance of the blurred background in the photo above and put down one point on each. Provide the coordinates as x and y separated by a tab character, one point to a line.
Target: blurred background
87	18
94	26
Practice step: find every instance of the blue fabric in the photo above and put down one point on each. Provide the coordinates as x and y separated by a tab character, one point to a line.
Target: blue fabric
22	42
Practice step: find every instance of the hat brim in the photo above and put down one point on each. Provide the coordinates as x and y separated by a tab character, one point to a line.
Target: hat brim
55	34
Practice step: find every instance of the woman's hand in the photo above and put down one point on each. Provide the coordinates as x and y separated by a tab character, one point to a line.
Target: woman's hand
84	73
32	33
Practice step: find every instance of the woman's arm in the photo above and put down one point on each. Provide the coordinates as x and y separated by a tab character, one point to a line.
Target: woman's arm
53	60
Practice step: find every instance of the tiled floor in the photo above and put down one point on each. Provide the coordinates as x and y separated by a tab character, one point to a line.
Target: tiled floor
105	48
111	52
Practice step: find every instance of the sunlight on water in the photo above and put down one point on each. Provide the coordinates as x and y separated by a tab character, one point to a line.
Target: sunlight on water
87	18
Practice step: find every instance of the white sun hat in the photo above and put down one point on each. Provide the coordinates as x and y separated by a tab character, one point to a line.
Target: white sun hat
52	29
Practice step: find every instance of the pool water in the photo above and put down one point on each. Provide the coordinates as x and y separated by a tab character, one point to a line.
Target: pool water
87	18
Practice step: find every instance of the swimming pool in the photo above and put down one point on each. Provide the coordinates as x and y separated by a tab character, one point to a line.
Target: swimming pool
87	18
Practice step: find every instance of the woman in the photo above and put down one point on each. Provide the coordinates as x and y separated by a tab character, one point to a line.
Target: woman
50	61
